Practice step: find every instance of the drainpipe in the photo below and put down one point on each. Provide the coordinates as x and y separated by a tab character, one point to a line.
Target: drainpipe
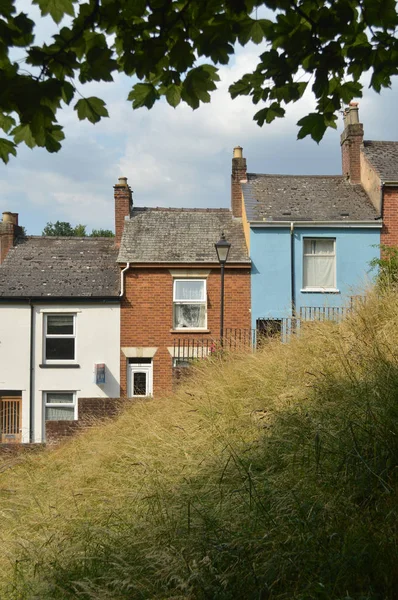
126	268
292	272
31	396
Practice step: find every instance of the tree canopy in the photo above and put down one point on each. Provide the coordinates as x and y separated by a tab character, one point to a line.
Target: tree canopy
172	49
65	229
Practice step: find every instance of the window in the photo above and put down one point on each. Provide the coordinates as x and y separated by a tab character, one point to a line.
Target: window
319	268
189	303
59	337
60	406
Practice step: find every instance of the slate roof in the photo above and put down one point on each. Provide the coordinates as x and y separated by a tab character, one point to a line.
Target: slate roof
305	198
60	267
383	156
180	235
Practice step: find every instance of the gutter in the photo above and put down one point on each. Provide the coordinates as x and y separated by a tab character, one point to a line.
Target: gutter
311	224
126	268
292	272
31	396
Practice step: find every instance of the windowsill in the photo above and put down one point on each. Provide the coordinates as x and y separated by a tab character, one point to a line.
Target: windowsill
187	330
59	366
320	291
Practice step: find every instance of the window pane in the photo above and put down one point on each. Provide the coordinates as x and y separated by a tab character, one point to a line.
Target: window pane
189	290
60	324
60	348
139	384
64	413
59	398
319	271
318	246
324	246
189	315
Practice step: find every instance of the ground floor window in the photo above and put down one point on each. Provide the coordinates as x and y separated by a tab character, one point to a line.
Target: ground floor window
139	377
60	406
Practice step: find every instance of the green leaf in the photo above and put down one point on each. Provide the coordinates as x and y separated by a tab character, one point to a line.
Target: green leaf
143	94
6	149
173	95
257	33
56	8
267	115
23	133
313	125
91	108
6	122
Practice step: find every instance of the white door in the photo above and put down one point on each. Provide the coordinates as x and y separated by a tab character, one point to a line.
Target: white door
139	380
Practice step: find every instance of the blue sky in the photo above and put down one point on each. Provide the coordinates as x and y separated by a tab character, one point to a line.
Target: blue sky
172	157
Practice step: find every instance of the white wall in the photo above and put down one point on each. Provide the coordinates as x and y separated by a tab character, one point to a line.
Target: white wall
97	341
15	355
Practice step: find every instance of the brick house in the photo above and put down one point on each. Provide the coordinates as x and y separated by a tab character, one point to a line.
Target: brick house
171	302
373	164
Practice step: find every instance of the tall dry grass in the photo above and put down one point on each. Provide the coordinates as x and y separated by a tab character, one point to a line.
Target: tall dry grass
267	476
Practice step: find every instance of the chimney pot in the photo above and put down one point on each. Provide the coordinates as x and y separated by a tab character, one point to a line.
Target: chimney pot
9	217
122	181
238	152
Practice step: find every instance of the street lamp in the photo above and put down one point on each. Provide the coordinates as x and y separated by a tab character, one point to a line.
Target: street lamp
222	249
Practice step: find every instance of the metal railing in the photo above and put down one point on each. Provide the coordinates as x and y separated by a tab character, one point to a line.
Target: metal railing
185	350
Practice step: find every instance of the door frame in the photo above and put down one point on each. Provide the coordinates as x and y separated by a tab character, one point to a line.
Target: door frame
137	367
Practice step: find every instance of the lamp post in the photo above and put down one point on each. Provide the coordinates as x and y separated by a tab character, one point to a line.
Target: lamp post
222	249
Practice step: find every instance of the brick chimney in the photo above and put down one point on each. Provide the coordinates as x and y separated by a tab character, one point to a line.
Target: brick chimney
351	140
9	231
123	206
238	174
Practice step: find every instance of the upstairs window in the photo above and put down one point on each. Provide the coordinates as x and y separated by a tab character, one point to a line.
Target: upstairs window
59	337
189	298
319	264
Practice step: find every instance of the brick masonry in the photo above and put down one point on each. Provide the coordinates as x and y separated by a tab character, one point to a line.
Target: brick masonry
239	172
123	205
91	410
147	315
351	140
389	232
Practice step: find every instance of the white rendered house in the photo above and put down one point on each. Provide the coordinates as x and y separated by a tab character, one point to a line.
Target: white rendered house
59	332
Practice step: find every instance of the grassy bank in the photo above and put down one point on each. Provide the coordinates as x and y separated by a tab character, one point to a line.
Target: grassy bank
269	476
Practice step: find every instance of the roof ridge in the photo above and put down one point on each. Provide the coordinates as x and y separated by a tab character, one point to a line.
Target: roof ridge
179	209
297	176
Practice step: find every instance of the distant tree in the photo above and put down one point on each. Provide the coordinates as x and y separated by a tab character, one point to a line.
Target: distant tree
80	230
61	228
102	233
65	229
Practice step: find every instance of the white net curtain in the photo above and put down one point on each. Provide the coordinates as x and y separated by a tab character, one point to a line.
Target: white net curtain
319	263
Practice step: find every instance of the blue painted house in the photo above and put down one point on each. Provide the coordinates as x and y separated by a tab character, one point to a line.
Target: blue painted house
310	240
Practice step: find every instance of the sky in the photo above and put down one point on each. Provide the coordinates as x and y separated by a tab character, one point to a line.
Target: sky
171	157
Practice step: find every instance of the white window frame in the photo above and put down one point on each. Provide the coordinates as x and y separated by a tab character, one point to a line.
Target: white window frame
58	336
60	404
319	288
200	302
136	367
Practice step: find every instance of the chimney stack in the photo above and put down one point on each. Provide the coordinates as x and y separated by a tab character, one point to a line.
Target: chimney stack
9	231
238	174
123	206
351	140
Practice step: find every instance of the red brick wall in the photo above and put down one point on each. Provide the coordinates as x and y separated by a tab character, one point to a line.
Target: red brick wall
6	240
123	203
389	232
351	140
147	315
238	173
